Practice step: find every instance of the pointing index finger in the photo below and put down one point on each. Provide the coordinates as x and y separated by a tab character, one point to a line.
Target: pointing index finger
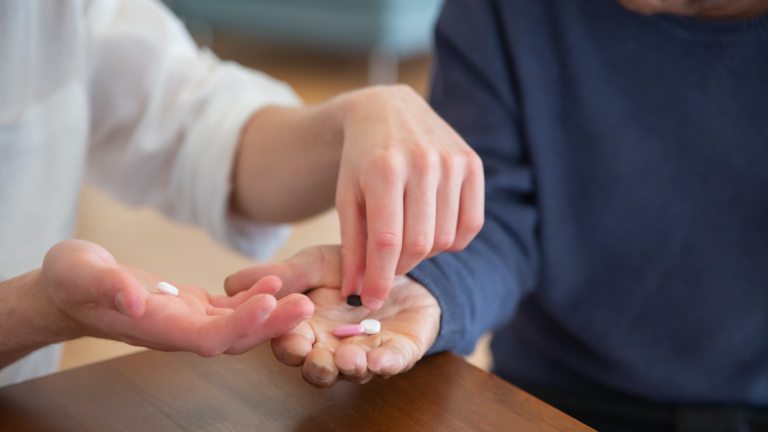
384	217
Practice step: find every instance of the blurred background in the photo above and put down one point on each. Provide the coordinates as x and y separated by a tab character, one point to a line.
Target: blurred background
321	48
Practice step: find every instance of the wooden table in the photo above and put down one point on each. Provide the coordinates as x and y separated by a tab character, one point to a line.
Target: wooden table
154	391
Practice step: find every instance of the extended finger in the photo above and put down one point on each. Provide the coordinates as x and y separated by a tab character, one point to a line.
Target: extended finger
217	335
353	236
264	285
288	313
217	311
245	279
384	218
472	205
420	214
310	268
448	194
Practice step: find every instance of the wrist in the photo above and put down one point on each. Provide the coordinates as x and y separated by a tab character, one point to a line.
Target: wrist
30	319
47	319
336	114
350	106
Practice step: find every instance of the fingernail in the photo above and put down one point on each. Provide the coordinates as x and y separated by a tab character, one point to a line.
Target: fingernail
373	303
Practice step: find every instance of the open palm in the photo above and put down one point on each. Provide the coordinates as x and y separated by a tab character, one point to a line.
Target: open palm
110	300
410	319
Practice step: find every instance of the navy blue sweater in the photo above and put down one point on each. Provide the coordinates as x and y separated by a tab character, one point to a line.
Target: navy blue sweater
626	237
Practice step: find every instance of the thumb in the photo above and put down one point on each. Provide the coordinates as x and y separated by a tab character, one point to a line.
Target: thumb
312	267
80	272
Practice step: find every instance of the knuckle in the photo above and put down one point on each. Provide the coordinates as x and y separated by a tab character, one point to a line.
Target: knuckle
386	168
424	161
450	161
444	241
387	240
474	162
457	247
208	350
420	245
472	225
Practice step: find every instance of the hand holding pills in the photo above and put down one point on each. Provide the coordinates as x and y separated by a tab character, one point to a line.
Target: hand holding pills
99	297
352	343
398	334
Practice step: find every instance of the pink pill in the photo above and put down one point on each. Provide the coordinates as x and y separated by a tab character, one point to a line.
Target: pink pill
348	330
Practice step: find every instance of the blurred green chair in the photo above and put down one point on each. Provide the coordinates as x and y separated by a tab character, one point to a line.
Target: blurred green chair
385	30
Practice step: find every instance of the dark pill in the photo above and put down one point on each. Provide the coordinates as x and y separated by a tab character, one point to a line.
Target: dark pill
354	300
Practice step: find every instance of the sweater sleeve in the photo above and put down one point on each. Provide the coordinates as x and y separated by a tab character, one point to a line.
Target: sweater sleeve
473	89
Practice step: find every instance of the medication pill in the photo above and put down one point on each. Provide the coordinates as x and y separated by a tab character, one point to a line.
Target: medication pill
370	326
354	300
166	288
348	330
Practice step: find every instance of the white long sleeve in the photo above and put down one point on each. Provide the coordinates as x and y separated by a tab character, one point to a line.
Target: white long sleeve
115	88
166	118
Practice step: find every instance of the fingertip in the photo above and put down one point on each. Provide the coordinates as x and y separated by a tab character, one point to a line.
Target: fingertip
351	360
320	368
260	306
301	305
128	295
350	281
291	349
383	362
374	293
229	284
268	284
372	303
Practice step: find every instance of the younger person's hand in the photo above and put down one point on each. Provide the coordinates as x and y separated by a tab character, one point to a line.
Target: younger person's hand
409	187
102	298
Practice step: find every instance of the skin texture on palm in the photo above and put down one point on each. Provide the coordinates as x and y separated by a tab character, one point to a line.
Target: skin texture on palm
410	320
105	299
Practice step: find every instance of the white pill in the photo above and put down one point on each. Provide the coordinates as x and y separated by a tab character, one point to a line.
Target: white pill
166	288
370	326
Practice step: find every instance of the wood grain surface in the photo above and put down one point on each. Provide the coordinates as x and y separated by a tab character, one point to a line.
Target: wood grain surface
154	391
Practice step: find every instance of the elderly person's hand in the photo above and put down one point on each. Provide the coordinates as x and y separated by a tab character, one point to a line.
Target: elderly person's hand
410	320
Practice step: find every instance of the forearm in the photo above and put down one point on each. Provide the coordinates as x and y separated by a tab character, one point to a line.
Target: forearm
288	162
29	319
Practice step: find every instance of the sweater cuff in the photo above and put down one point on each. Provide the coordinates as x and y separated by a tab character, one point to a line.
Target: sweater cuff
432	275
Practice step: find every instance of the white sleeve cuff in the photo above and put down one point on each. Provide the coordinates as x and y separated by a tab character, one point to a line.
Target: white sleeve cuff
204	172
